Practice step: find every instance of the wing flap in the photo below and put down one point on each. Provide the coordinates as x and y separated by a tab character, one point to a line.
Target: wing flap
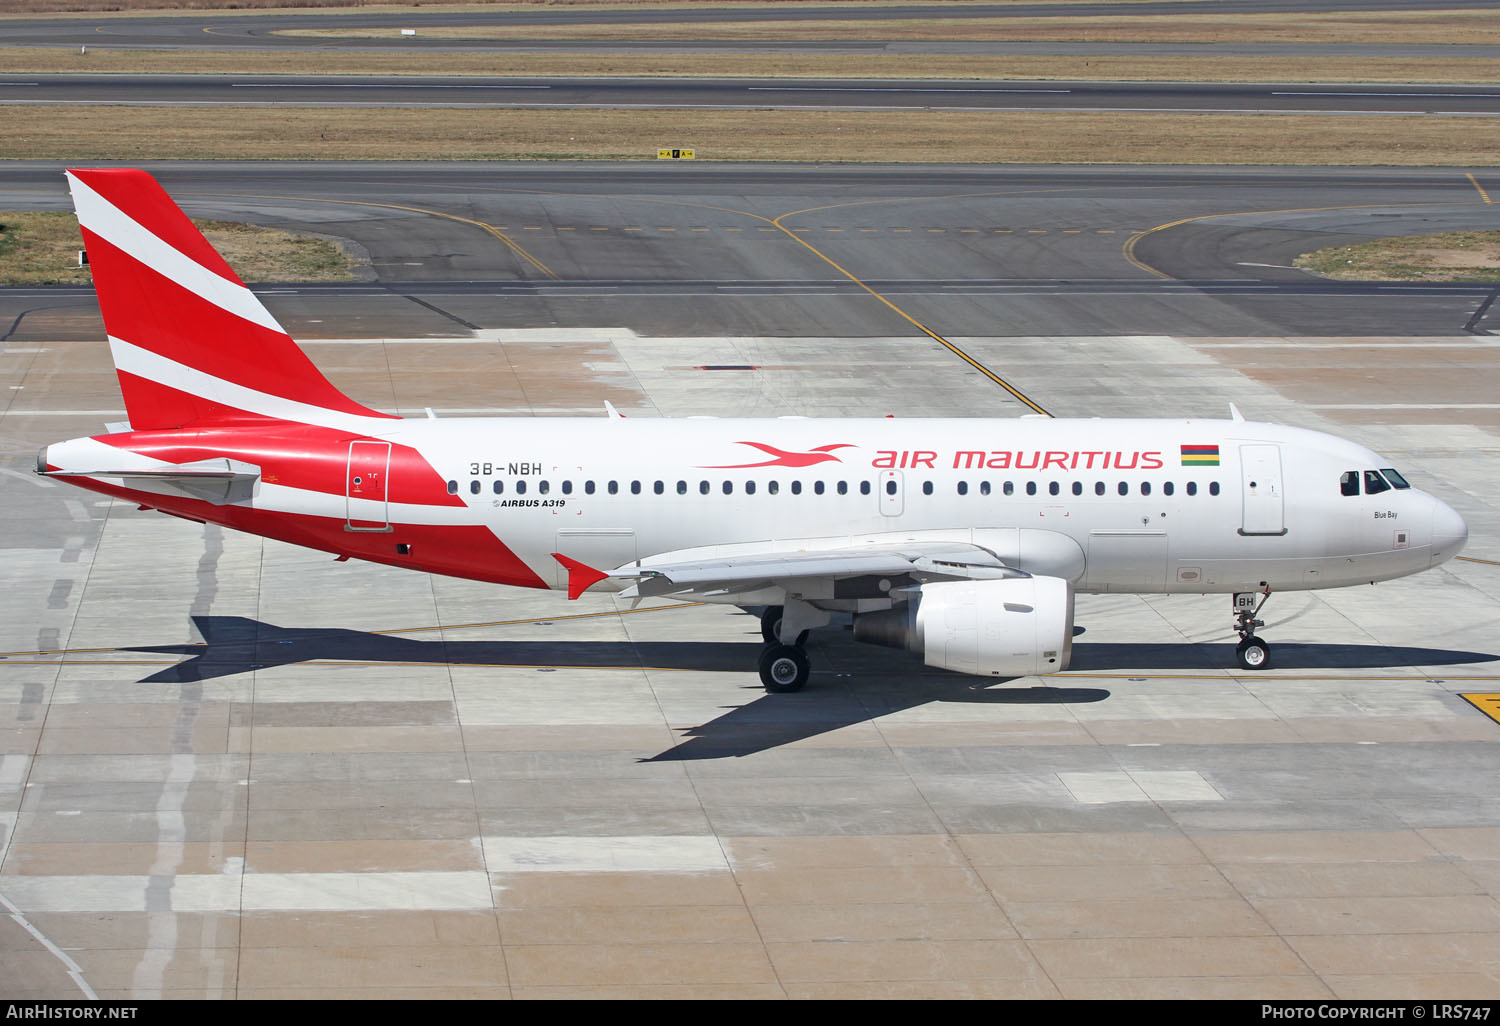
799	570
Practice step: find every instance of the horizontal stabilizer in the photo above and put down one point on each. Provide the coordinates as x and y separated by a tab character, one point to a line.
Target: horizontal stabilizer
219	481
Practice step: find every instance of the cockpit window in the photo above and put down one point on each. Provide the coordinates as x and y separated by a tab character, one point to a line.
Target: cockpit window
1374	483
1396	480
1349	482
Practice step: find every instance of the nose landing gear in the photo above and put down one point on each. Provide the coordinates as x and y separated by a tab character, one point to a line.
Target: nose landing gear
1252	653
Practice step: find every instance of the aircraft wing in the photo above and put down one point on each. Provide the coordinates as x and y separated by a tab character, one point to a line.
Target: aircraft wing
815	573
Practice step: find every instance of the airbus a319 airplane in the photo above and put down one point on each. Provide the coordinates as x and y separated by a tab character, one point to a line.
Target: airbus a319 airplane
961	540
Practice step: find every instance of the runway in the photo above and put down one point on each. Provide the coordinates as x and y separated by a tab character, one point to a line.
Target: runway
254	30
1003	251
235	768
689	93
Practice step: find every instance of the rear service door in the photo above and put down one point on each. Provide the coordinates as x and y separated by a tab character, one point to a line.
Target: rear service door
366	487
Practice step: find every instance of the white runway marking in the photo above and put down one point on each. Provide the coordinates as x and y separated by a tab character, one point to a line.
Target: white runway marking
603	854
262	892
74	971
1140	786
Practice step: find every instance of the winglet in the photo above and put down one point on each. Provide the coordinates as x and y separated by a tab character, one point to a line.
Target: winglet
581	577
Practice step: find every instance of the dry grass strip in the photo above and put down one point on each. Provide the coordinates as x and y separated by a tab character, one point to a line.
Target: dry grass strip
1450	256
122	134
42	249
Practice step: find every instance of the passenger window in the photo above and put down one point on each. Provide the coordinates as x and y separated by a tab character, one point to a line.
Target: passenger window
796	487
843	488
1052	488
864	488
1145	487
1077	487
1349	482
658	487
1123	488
963	488
473	487
567	487
1010	488
499	487
926	487
1098	487
817	487
520	487
588	488
728	487
681	487
890	488
1192	487
1396	480
1374	483
635	488
543	487
1030	487
1213	488
452	487
1168	488
702	487
984	488
749	487
614	487
773	487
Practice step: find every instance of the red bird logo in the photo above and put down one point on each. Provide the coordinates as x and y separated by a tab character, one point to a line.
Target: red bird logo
782	458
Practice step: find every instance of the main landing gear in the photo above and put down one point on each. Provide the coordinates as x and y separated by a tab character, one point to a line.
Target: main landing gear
784	668
1252	653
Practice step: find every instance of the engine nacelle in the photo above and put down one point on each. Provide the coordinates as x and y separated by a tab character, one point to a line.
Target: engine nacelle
1007	628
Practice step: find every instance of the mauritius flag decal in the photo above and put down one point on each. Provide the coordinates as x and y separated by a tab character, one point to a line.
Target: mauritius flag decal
1200	455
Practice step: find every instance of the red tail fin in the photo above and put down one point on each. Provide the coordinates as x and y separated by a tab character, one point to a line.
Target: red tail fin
191	344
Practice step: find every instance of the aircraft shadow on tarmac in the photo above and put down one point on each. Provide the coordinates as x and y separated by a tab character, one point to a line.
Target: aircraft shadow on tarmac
855	691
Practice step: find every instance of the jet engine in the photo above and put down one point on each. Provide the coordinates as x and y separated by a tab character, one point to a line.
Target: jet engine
1006	628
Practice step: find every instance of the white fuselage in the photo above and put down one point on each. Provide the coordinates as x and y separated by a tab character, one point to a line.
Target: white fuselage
1144	516
1145	506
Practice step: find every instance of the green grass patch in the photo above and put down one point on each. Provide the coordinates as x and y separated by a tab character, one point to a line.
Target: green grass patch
42	249
1449	256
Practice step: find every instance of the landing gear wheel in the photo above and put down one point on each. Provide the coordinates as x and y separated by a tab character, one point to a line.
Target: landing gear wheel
770	624
784	668
1253	654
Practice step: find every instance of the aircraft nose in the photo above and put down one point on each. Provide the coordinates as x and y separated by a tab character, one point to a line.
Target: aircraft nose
1449	532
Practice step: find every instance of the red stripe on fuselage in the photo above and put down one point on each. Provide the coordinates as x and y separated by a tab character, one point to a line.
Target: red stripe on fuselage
151	311
295	456
461	550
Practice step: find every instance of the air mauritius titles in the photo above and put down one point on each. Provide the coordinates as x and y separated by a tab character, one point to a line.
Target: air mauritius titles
1024	459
